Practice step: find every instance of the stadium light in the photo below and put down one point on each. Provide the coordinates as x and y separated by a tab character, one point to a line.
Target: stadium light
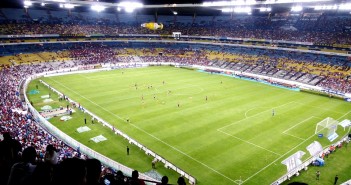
264	9
175	13
68	6
296	8
237	10
130	6
98	8
27	4
230	3
345	6
242	9
42	4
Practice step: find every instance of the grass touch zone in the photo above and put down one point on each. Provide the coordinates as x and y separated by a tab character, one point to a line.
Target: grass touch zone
219	129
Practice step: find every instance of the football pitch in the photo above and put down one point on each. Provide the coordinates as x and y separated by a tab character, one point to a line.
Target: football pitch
220	129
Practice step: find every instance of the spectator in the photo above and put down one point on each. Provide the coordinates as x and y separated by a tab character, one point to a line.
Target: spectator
51	155
181	181
164	181
9	155
135	179
21	172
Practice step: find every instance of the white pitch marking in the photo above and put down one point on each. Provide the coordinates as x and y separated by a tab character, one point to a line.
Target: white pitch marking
219	173
249	143
234	123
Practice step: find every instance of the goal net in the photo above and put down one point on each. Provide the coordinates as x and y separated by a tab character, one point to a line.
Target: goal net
327	127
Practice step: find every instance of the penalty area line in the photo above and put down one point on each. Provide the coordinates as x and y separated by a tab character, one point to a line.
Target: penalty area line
248	142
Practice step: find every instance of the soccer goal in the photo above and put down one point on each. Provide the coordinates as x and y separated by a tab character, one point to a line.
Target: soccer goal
328	128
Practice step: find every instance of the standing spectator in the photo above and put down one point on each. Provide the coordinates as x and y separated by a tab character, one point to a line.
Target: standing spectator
9	155
336	179
21	172
93	172
51	155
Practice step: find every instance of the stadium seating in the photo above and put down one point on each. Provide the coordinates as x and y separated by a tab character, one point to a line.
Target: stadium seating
320	29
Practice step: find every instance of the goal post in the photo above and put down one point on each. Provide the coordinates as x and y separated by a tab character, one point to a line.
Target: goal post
327	127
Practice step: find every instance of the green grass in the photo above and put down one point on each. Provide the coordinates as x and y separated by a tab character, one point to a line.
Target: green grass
229	137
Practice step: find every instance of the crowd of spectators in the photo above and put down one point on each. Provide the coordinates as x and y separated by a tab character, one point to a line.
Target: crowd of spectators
324	29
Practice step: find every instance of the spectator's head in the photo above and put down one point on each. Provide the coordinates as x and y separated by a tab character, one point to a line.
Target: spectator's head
164	180
6	136
135	174
181	181
93	171
73	172
29	154
50	148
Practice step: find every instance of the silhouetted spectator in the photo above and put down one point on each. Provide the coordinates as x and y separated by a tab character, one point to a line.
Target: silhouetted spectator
9	155
164	181
51	155
93	172
43	174
181	181
21	172
120	179
135	179
72	171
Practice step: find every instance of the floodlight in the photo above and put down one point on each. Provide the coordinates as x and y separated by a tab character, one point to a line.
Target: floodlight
130	6
296	9
68	6
227	10
242	9
264	9
42	4
175	13
345	6
98	8
27	4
